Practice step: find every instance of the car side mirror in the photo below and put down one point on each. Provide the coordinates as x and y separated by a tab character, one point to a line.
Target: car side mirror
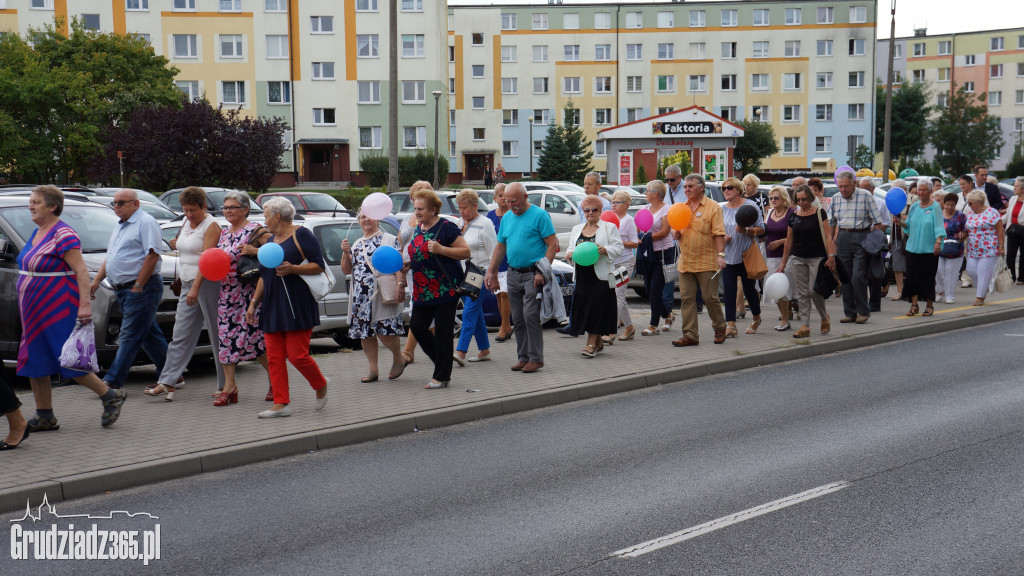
567	210
6	254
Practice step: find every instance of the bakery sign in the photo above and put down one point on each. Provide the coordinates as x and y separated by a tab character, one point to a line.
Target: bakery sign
674	128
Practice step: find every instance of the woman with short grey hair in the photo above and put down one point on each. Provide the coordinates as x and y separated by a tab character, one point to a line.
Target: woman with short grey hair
280	207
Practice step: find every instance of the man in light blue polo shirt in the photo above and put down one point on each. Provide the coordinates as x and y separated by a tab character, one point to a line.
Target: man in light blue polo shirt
133	255
526	236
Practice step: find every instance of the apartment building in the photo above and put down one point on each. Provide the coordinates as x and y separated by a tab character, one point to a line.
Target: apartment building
989	62
804	66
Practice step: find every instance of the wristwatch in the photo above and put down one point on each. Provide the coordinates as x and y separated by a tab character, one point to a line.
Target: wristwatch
722	254
136	285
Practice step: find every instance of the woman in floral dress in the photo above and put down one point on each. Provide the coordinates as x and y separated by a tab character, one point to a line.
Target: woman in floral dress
369	317
239	340
985	243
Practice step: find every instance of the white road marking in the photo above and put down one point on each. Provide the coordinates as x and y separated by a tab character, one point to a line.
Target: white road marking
1013	334
684	535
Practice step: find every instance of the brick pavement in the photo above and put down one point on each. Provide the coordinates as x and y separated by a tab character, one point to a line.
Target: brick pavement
155	440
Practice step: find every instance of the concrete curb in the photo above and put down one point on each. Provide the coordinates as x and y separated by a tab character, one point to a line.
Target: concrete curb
79	485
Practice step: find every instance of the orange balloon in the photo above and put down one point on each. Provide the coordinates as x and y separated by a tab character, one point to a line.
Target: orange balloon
679	216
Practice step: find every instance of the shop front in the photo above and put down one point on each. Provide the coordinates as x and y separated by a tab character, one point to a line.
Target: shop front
707	140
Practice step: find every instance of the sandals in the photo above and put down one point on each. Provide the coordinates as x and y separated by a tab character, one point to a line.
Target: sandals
754	325
650	331
979	302
112	408
160	390
928	310
803	332
371	377
826	325
589	351
609	340
731	332
913	310
667	325
397	370
782	327
408	357
629	333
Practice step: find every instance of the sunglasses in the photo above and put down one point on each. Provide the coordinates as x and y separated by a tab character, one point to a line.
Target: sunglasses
618	201
590	210
729	188
672	179
119	203
774	198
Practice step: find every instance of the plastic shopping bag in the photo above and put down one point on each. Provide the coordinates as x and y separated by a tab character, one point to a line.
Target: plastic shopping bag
79	352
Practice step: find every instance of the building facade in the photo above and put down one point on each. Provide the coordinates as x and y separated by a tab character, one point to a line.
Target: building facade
988	62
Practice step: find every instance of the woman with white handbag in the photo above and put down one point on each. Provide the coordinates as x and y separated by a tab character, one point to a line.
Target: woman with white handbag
481	239
375	299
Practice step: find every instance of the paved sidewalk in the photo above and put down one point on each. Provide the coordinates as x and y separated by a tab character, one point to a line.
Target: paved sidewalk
155	440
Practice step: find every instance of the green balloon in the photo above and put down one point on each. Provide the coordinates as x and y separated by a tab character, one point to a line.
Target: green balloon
585	254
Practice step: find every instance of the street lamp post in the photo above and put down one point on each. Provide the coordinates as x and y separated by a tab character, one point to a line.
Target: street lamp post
437	128
531	147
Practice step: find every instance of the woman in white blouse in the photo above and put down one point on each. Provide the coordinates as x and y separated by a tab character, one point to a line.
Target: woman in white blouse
479	233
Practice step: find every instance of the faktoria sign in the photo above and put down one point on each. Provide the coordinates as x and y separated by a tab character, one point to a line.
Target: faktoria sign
673	128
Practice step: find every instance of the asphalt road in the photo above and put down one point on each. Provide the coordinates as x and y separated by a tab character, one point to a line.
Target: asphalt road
923	438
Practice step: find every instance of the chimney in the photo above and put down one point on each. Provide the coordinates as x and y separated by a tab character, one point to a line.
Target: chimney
920	32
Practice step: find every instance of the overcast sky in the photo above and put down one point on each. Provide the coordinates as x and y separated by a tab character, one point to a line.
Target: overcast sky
939	16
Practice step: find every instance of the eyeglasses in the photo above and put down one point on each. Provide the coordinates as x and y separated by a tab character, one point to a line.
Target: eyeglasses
227	208
729	188
590	210
802	199
774	198
618	202
119	203
672	179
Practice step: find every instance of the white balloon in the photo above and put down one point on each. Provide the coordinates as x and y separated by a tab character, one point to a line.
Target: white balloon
776	286
376	206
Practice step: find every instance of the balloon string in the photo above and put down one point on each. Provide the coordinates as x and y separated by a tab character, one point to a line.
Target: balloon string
287	296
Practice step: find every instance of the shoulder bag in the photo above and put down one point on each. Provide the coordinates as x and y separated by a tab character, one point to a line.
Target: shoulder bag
319	284
754	263
248	270
176	283
826	282
668	269
385	284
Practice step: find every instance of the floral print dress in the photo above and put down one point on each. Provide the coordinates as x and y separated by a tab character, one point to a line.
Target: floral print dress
361	294
239	340
981	231
434	276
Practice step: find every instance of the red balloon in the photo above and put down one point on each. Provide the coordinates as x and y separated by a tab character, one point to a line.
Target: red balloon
609	216
215	264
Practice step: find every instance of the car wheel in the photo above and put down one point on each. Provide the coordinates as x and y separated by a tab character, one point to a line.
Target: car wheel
458	318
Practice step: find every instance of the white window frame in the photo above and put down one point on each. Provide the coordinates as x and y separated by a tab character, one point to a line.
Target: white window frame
419	136
665	84
858	14
571	53
416	48
920	49
826	15
509	117
791	82
917	76
321	24
969	87
762	17
634	83
372	87
570	85
824	48
666	19
794	16
543	49
192	44
477	70
279	44
791	49
237	45
479	102
857	77
411	6
634	20
944	74
541	117
666	50
599	48
730	18
970	60
134	5
727	82
371	42
192	90
510	85
634	52
697	84
539	21
945	47
995	71
571	21
284	88
509	21
237	84
823	113
997	44
419	92
825	145
760	82
600	148
375	137
602	85
855	112
322	71
858	46
791	145
995	98
820	77
510	148
509	53
602	21
698	19
762	47
541	85
482	134
176	6
231	5
273	5
698	51
606	113
729	50
793	111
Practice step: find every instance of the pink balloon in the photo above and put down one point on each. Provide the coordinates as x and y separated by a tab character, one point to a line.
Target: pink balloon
644	220
376	206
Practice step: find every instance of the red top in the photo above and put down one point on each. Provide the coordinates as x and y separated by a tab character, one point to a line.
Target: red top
1016	212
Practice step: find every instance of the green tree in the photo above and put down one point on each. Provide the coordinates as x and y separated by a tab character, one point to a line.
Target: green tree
566	154
641	175
59	94
964	133
758	143
1016	166
910	110
863	158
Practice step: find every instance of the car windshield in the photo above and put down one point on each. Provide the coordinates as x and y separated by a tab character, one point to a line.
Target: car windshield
218	199
575	198
93	224
322	202
157	211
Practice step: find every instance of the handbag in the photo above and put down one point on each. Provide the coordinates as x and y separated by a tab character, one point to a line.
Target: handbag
951	249
1003	279
176	283
248	269
79	351
385	284
319	284
668	269
754	263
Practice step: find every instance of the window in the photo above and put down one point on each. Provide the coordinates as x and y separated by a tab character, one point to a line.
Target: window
451	149
761	49
571	21
509	21
728	50
451	85
697	51
190	88
603	20
321	24
858	14
634	83
540	85
899	51
574	119
413	92
178	4
508	53
367	46
634	19
666	51
91	21
136	5
477	39
479	134
664	110
759	82
792	49
415	136
538	147
146	37
323	70
856	80
510	148
919	49
1020	69
234	91
277	46
279	92
943	74
856	47
602	116
668	19
970	60
540	21
478	70
918	75
603	52
368	92
451	53
825	15
1018	125
854	142
634	51
369	137
969	87
541	117
478	102
451	117
791	113
823	80
600	148
1020	97
791	81
791	145
509	117
231	46
42	4
823	144
855	112
761	113
184	46
995	71
794	16
666	83
943	100
634	114
824	47
995	98
696	18
727	112
729	18
728	82
366	5
571	85
1020	42
945	47
540	53
823	112
996	43
230	5
412	45
510	85
412	5
603	85
698	83
761	17
572	52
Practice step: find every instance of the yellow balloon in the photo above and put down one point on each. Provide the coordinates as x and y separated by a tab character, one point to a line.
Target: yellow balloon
679	216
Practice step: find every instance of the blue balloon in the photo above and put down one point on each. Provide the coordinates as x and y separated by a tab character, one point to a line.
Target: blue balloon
270	255
896	200
386	260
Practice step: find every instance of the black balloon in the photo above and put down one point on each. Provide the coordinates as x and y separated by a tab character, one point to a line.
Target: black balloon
746	216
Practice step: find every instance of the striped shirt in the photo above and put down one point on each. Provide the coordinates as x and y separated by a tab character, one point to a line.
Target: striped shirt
859	211
698	250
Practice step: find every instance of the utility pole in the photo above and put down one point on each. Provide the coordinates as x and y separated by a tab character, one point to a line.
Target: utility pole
437	128
393	98
886	152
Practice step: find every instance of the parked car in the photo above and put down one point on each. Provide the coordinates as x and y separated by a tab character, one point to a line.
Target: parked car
563	186
214	200
563	274
143	195
158	211
401	205
311	203
94	224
